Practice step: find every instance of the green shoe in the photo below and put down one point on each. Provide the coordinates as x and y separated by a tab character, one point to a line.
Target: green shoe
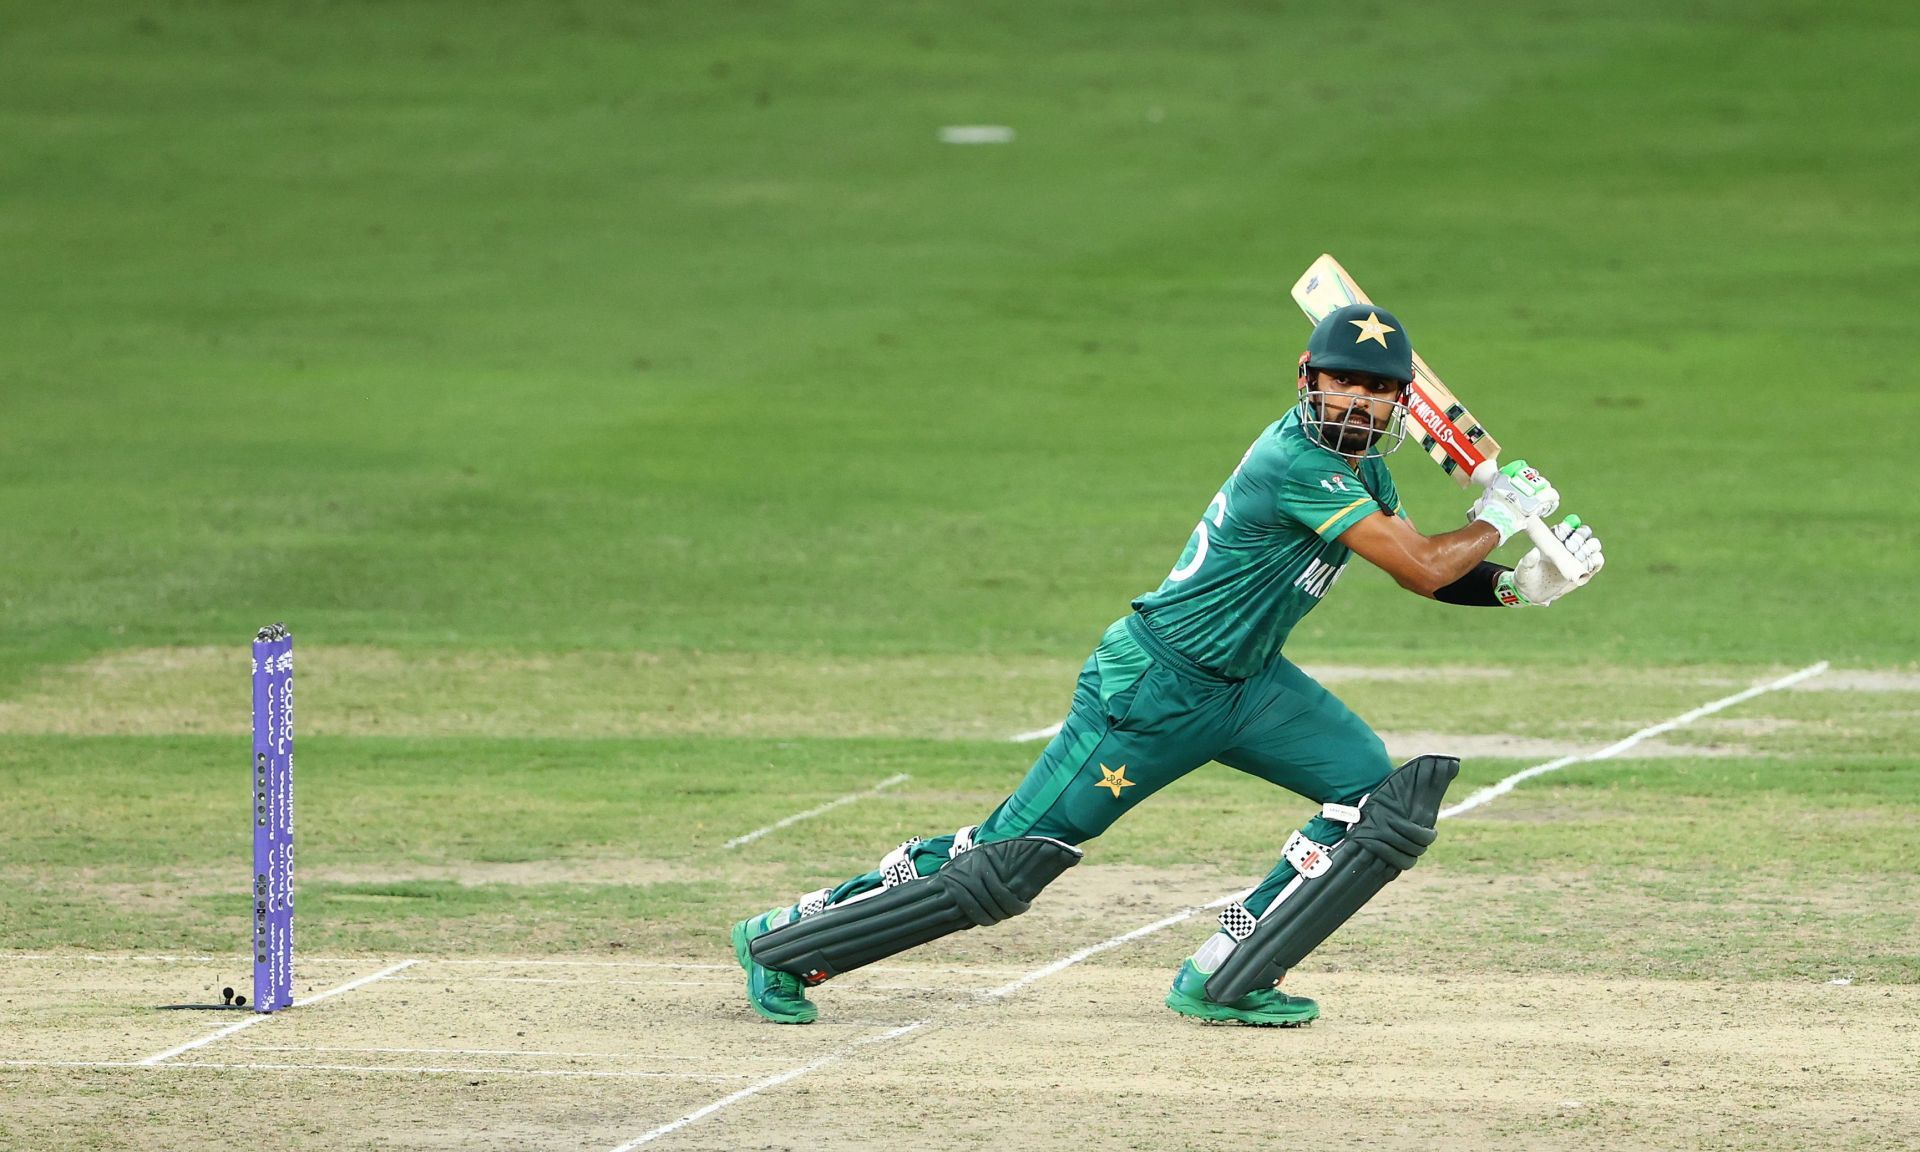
775	995
1265	1006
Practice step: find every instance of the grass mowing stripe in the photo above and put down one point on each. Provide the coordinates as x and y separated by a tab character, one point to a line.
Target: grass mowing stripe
1507	785
750	837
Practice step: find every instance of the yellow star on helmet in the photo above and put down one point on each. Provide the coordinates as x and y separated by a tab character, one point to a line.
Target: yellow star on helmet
1114	778
1372	329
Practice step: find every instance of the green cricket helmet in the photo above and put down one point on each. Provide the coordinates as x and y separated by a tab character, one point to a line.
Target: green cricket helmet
1361	338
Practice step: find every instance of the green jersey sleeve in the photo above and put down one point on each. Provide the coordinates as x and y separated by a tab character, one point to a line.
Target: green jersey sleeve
1380	482
1320	492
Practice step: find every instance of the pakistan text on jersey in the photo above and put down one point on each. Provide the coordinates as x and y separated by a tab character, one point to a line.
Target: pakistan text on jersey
1319	577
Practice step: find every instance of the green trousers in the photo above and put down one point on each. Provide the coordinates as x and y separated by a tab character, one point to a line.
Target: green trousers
1143	716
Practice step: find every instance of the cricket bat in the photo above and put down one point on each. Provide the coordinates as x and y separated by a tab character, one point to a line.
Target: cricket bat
1453	436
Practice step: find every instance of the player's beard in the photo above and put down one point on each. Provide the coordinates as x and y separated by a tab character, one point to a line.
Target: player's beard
1350	433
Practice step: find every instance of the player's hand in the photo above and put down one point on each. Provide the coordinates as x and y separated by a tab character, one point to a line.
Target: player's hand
1518	494
1539	581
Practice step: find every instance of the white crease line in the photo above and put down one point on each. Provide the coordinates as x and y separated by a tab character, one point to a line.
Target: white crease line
229	1030
839	1054
229	1066
1066	962
1505	786
162	1057
1056	966
829	806
774	1081
1047	733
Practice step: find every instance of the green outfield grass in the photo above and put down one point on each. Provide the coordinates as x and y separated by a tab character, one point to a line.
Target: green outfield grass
458	847
674	327
649	430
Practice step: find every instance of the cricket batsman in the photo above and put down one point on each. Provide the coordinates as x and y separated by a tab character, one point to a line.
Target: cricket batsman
1195	673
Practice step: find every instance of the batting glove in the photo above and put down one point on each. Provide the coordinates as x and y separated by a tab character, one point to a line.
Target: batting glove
1517	494
1537	581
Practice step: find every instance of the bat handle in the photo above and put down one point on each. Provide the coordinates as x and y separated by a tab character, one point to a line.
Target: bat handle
1538	531
1555	552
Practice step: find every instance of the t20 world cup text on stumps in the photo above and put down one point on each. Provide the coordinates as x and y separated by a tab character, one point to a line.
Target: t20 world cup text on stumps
272	819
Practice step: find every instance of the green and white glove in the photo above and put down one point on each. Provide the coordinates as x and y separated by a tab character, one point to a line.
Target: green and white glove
1518	493
1537	581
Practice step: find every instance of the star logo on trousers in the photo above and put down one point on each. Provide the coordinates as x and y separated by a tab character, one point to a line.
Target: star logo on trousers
1114	778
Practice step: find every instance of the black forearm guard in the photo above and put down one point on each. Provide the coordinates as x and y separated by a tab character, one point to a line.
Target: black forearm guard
1475	589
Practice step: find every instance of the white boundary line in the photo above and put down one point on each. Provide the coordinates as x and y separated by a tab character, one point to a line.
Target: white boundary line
1505	786
1047	733
162	1057
829	806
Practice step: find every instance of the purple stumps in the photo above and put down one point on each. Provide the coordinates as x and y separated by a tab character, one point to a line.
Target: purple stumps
272	819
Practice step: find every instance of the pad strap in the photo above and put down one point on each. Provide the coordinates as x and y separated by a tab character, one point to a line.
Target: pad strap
1236	921
896	867
983	885
962	840
1348	814
1308	857
1397	823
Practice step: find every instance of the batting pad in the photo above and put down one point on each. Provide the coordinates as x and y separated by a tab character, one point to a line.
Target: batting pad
1396	825
983	885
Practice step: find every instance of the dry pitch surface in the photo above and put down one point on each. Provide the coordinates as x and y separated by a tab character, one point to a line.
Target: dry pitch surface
594	1054
1467	1007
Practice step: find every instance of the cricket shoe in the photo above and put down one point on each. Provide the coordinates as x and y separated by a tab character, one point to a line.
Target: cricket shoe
1262	1006
774	994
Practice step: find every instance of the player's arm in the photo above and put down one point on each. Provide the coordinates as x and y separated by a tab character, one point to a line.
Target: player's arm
1450	566
1422	564
1536	582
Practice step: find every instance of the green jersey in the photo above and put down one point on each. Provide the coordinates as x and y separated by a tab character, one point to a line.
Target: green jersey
1266	550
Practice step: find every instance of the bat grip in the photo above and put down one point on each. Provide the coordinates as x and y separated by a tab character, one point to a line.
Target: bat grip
1555	552
1538	531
